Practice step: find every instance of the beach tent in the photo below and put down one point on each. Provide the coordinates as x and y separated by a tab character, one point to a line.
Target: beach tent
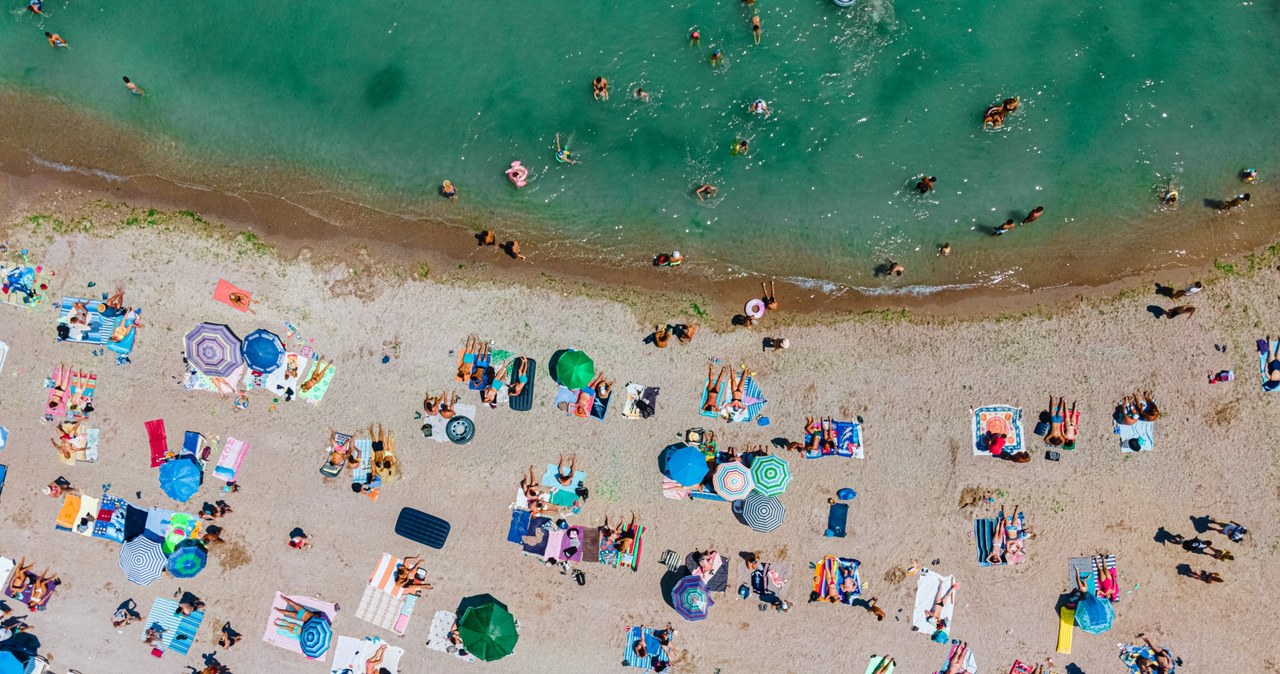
181	477
487	628
683	463
263	351
214	350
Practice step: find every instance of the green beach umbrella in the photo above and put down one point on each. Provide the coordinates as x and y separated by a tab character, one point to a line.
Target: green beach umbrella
771	475
574	369
488	631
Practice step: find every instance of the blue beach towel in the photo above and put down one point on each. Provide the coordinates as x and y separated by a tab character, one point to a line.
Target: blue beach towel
1143	431
600	407
984	528
848	442
751	391
365	447
519	526
549	478
837	519
179	630
629	657
1264	349
100	327
4	472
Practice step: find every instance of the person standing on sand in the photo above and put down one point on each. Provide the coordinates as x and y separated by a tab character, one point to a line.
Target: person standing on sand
926	184
1189	290
513	249
1033	215
56	40
133	88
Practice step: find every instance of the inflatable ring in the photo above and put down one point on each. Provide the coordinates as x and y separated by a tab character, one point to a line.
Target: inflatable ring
518	174
754	309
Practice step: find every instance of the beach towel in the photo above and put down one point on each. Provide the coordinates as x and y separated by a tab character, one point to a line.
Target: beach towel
158	441
78	514
384	603
722	397
599	406
233	453
829	576
1142	431
1005	419
361	473
278	636
316	393
651	644
178	632
99	329
775	577
848	442
110	522
753	397
876	661
629	556
969	666
4	473
384	575
4	437
549	478
438	636
24	285
4	354
984	528
1130	653
560	542
927	584
1264	350
837	519
641	401
350	655
224	291
1020	667
519	527
524	401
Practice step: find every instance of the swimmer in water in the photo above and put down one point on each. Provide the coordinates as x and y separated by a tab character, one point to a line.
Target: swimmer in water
760	107
895	268
35	6
944	250
449	191
133	88
1033	215
1249	175
716	57
642	95
1234	203
562	154
694	36
1001	229
739	148
600	89
55	40
707	191
926	184
756	30
1169	197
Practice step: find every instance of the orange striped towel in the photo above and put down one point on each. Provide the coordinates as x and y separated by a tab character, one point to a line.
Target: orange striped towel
384	576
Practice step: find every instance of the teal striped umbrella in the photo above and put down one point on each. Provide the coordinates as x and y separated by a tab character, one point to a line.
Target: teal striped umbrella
771	474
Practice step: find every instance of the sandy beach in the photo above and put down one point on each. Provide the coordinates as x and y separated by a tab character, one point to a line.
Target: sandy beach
912	380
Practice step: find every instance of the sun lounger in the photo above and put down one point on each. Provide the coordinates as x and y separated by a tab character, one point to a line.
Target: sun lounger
1005	419
420	527
837	519
656	652
1142	431
927	584
179	631
278	636
158	441
438	636
233	453
524	401
99	329
876	661
329	470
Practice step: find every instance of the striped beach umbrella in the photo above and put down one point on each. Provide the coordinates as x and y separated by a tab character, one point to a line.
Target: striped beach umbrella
188	559
263	351
214	350
771	474
315	637
762	513
143	560
733	480
690	598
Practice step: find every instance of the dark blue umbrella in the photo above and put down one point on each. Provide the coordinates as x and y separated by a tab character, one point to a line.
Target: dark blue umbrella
214	350
263	351
181	477
684	463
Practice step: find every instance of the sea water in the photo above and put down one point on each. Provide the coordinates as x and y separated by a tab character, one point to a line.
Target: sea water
1118	98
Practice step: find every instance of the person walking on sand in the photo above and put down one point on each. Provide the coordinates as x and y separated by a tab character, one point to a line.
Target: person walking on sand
756	30
926	184
1033	215
1189	290
513	249
769	295
56	40
133	88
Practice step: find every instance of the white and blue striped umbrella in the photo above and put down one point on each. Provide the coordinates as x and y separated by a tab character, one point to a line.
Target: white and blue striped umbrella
762	512
143	560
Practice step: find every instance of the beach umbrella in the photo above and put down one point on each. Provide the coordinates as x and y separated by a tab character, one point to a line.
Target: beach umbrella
214	350
1095	615
263	351
10	664
188	559
762	513
143	560
574	369
684	463
488	630
733	480
771	474
315	637
181	477
690	598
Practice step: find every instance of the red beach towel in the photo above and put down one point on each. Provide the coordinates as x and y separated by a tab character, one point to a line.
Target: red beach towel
232	296
159	444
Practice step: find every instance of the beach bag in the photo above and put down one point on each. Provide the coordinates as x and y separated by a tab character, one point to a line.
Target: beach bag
582	493
426	430
579	577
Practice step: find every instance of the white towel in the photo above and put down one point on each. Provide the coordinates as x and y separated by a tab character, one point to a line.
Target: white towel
350	655
926	594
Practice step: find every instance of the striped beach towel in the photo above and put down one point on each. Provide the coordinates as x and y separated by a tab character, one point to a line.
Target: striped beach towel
100	327
361	473
233	453
179	631
984	528
651	644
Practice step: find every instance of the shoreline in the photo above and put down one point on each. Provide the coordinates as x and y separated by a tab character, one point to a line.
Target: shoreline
316	219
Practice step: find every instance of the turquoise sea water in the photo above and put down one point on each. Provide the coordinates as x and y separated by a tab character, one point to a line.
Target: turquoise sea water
1118	97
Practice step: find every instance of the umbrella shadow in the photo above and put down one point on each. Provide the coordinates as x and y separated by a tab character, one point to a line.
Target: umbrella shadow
478	600
668	585
552	362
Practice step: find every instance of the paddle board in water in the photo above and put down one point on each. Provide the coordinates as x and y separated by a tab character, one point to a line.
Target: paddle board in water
845	3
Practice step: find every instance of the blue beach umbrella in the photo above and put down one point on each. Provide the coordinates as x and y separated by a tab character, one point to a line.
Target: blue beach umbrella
181	477
315	637
214	350
188	559
684	463
263	351
9	664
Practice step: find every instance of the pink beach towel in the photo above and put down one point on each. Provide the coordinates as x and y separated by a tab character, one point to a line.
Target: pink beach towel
232	296
58	411
229	461
277	636
158	440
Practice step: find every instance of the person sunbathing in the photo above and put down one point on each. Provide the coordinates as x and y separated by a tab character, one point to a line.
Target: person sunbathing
79	402
1164	659
886	665
713	389
188	604
685	333
372	665
212	534
78	316
736	390
602	386
410	574
955	664
563	477
337	452
317	374
477	375
1108	587
530	486
228	637
61	384
444	406
65	449
385	458
1147	409
829	435
429	404
300	613
1071	425
769	295
21	578
1055	436
467	359
1128	412
489	394
522	377
125	614
934	615
153	635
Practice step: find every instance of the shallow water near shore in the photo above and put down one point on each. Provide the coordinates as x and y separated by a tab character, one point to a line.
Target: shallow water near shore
388	99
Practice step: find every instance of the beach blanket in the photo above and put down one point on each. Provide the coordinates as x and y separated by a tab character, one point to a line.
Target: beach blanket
281	638
24	285
641	402
927	584
1130	653
570	398
4	354
233	453
158	441
775	577
519	527
1005	419
970	665
110	521
58	404
78	514
438	636
278	382
100	327
876	661
25	596
1084	566
316	393
178	632
984	529
224	291
629	556
84	447
1142	431
1020	667
350	654
651	644
1265	349
829	576
600	406
384	603
384	575
361	473
848	442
